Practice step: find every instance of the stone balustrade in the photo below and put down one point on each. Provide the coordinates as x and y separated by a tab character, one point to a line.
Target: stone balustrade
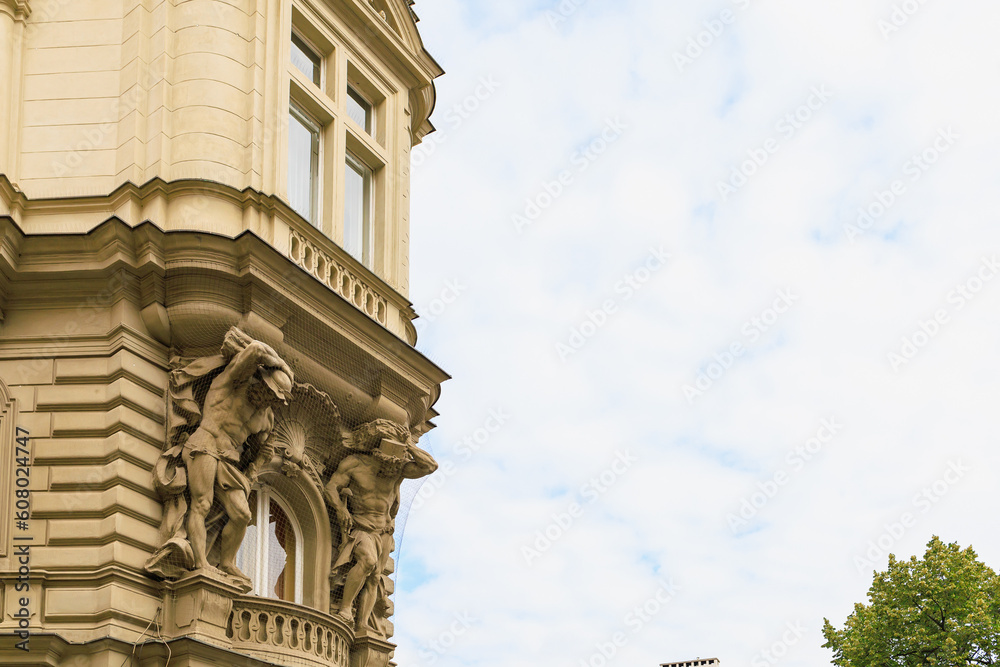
337	277
286	634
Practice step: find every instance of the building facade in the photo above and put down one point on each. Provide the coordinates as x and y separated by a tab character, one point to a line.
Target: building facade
208	381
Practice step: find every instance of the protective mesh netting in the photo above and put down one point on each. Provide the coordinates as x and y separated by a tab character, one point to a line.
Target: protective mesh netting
407	494
314	430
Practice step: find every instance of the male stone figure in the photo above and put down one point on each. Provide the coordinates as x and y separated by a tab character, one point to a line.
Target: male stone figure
238	405
364	494
216	453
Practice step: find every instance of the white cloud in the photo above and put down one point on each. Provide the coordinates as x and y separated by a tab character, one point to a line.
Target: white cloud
784	229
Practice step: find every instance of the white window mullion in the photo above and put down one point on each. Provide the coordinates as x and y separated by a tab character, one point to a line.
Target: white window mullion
262	518
299	561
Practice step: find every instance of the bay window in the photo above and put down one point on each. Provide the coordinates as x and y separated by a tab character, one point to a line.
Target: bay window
337	117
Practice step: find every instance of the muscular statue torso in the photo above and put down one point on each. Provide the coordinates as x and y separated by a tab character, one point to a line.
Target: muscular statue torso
236	406
364	494
229	419
372	496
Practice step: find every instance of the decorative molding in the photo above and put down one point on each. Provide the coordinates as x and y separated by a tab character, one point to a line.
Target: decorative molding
138	205
308	434
422	102
20	10
215	282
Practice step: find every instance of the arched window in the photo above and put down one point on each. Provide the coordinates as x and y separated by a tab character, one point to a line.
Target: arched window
272	550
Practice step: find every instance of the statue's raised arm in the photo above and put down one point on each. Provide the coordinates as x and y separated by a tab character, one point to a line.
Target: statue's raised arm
423	464
251	355
364	495
222	454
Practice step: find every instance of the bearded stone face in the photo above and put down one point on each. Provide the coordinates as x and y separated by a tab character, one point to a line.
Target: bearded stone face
259	394
278	382
388	466
269	387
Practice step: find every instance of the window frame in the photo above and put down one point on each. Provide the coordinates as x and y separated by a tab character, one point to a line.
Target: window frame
370	109
315	128
312	53
261	515
352	161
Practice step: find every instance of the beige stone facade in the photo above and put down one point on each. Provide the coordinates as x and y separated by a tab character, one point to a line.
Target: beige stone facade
146	218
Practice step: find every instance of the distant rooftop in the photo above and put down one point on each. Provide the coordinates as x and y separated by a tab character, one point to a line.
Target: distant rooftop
697	662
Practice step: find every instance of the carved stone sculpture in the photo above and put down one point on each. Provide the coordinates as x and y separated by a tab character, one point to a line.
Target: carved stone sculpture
308	435
364	494
221	417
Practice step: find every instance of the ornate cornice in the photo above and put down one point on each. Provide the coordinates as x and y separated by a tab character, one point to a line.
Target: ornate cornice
397	43
201	284
134	204
20	10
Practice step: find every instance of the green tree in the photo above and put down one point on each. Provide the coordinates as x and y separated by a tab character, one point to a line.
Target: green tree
942	610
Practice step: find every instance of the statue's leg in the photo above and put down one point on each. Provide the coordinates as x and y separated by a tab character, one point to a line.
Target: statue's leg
201	481
366	601
234	501
369	592
365	557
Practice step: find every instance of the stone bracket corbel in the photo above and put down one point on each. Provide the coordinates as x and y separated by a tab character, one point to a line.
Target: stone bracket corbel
198	606
369	651
264	314
154	313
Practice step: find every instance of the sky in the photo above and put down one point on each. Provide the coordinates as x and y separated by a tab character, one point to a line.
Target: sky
718	286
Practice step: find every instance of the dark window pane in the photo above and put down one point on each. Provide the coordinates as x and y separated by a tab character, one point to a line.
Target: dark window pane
305	60
360	110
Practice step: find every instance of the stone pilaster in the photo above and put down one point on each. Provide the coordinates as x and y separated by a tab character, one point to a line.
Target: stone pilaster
198	606
369	651
13	14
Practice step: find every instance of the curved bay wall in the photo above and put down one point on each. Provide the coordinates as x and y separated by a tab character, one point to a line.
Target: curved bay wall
118	91
209	108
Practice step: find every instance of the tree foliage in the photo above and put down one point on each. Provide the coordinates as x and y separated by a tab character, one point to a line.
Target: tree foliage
941	610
